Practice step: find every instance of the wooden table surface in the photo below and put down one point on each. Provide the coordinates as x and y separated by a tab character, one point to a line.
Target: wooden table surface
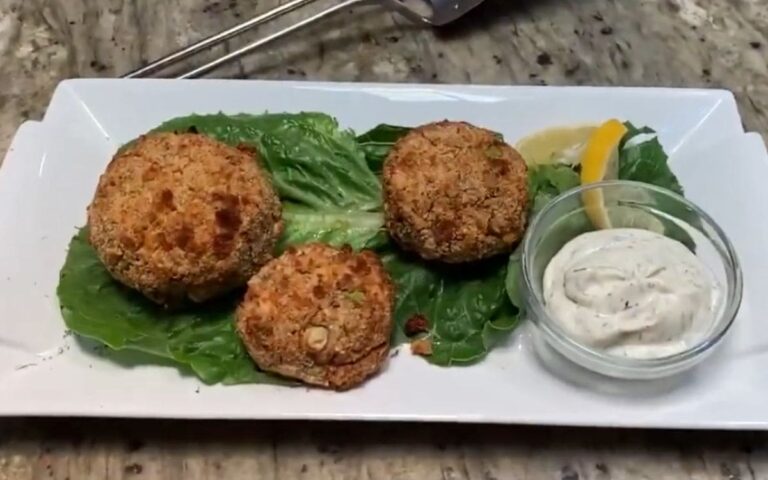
701	43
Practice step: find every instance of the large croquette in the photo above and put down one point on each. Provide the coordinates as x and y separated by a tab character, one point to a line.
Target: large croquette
455	193
319	314
183	217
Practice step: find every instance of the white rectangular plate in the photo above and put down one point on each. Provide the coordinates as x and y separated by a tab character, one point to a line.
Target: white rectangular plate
50	173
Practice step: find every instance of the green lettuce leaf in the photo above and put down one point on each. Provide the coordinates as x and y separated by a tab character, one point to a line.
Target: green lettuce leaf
642	159
645	161
312	161
329	193
466	306
545	182
95	306
357	229
377	143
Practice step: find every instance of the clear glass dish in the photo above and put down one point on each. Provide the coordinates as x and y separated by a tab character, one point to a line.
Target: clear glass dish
631	205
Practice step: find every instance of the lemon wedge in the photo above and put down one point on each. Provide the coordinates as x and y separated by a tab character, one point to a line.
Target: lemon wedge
601	162
555	145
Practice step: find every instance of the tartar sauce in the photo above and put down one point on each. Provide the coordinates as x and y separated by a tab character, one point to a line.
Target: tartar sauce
629	292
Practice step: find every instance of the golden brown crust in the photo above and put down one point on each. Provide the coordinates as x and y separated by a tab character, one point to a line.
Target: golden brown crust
182	216
455	192
319	314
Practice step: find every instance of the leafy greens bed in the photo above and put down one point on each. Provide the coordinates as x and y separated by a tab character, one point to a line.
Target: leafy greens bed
328	181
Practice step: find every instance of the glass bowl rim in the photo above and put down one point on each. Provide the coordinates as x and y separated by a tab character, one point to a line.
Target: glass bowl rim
723	323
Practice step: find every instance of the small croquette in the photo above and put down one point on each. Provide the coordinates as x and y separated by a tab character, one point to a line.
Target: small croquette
319	314
184	217
455	193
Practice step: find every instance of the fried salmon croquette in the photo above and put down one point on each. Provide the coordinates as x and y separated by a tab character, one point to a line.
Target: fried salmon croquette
183	217
319	314
455	193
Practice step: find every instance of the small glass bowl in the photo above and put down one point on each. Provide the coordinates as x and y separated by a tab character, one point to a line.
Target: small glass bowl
631	205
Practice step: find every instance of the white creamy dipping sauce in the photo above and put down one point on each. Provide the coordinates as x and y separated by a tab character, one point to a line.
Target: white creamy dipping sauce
630	292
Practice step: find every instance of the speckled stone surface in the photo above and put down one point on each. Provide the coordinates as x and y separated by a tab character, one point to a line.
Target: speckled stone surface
697	43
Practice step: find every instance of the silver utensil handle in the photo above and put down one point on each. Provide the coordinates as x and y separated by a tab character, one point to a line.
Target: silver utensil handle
215	39
258	43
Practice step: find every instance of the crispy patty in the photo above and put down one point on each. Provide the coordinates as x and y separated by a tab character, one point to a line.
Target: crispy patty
183	217
319	314
455	193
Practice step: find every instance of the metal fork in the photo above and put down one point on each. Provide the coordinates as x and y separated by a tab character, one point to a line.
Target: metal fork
439	13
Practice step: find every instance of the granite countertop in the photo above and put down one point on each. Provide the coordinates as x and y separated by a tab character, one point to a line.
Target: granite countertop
698	43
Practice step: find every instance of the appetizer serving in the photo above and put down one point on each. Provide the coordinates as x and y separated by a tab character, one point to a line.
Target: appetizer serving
280	248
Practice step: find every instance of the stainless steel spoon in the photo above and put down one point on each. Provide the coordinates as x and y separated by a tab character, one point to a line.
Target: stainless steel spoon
424	12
